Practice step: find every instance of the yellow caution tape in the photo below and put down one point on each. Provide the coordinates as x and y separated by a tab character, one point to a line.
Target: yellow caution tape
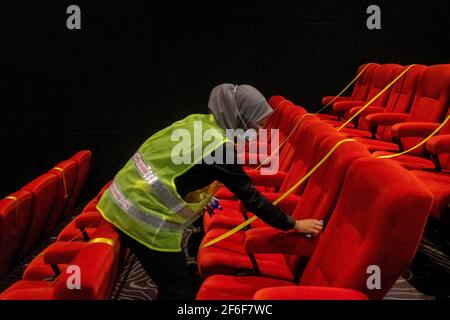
281	198
345	89
375	98
107	241
284	140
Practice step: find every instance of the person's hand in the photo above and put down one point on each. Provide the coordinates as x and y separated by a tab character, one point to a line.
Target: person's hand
308	226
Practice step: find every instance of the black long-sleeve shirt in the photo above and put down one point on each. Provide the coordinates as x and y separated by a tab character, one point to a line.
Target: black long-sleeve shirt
239	183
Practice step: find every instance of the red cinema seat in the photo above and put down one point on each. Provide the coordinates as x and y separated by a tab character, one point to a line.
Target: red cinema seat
53	261
400	99
66	172
281	157
275	100
439	182
73	238
427	160
430	104
43	190
359	93
317	202
281	182
15	215
258	149
98	275
382	76
376	225
83	159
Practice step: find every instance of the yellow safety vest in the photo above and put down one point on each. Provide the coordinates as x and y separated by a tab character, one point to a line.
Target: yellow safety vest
143	200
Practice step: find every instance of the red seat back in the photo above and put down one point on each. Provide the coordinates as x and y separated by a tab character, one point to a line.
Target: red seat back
382	76
401	96
431	100
311	133
378	221
83	159
15	214
362	85
43	190
67	173
322	190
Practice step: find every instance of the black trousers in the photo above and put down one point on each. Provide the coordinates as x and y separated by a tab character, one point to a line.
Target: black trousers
167	269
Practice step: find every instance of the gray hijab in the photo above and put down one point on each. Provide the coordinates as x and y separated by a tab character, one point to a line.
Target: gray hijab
238	107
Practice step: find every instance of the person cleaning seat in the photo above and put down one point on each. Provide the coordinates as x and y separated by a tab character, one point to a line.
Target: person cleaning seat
153	198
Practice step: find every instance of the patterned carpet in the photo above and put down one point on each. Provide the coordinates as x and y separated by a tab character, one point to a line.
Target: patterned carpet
134	283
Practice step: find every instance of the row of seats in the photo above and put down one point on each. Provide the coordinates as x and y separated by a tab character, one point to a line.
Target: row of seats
88	248
367	205
374	210
407	113
32	213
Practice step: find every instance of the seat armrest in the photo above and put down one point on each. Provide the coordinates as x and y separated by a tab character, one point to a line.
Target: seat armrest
385	119
88	219
367	111
413	129
438	144
62	252
342	107
270	240
328	99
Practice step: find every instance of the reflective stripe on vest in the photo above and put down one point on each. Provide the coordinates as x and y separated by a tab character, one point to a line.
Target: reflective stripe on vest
137	214
164	194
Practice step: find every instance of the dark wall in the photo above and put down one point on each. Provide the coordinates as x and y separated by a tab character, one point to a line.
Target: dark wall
138	65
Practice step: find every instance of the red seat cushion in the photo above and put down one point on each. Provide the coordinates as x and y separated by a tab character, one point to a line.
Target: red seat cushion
44	190
408	161
15	215
439	185
222	287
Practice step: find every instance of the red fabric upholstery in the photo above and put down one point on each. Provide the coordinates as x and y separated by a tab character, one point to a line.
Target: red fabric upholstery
317	202
308	293
14	218
304	138
29	290
275	100
59	253
413	129
399	101
82	227
326	100
439	185
270	240
66	186
360	88
407	161
44	190
380	204
430	104
223	287
98	276
83	158
439	144
382	76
